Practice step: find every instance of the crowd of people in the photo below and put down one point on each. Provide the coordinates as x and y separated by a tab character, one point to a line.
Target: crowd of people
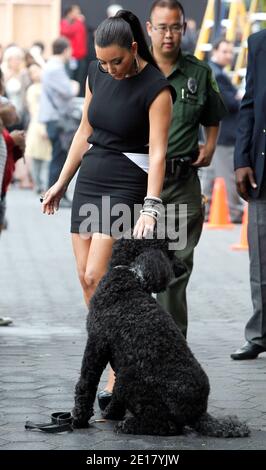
137	142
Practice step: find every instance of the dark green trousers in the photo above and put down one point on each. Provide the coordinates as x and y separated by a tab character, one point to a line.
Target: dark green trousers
183	191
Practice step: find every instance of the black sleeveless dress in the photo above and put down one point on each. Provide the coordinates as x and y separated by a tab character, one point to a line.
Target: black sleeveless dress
109	185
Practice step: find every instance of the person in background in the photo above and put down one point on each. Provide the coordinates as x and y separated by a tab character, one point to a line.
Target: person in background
73	27
189	40
8	117
38	147
198	103
56	99
223	160
15	146
16	81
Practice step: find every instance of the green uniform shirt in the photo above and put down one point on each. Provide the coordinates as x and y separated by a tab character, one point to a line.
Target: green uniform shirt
198	102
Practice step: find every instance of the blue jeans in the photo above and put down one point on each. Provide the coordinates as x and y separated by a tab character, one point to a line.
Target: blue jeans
58	153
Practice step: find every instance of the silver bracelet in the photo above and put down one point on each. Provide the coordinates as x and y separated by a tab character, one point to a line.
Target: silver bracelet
152	209
153	198
150	214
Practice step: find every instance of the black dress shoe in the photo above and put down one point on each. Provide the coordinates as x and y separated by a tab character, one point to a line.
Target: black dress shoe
104	398
248	351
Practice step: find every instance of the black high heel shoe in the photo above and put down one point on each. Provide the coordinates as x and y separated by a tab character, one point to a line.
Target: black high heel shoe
104	398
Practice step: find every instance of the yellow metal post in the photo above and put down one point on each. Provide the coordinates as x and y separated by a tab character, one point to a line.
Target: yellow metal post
236	17
207	23
241	59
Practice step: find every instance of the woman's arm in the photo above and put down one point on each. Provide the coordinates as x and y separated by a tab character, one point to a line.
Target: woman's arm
77	149
160	116
79	144
160	121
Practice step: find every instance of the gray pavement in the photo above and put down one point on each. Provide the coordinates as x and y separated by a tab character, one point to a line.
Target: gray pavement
40	354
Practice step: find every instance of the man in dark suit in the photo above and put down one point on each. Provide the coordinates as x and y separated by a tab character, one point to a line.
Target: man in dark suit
250	170
222	164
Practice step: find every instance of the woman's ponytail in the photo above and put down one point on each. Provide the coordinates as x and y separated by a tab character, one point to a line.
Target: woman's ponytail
138	35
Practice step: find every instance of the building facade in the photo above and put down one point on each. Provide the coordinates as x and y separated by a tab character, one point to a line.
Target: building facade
25	21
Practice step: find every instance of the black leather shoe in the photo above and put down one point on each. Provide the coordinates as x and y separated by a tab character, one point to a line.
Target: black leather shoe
248	351
104	398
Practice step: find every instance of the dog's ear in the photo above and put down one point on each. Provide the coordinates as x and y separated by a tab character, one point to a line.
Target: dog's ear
153	269
122	252
179	267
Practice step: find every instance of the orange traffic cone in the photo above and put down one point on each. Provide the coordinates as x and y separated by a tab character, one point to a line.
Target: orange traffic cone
219	212
243	245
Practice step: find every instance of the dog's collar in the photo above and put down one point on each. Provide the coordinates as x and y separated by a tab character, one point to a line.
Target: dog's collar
135	270
137	273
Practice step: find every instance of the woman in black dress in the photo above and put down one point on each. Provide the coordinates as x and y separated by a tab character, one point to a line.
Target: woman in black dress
126	118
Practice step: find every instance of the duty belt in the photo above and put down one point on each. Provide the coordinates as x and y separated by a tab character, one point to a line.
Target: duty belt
180	167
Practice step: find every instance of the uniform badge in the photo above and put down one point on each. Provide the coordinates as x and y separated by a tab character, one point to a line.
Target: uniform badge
192	85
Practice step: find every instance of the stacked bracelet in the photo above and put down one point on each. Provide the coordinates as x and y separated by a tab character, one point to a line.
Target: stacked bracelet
152	214
151	207
153	198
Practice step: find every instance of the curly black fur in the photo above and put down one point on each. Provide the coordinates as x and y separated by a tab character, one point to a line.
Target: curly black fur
157	377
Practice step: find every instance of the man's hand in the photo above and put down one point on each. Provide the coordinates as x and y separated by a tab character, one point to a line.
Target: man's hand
205	156
244	179
19	139
75	87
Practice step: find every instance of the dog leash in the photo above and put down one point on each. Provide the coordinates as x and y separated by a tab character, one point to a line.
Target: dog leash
60	422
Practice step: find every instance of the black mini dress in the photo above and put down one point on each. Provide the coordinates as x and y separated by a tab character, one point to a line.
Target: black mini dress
109	184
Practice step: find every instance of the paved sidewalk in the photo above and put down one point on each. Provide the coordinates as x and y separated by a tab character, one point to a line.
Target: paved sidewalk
40	355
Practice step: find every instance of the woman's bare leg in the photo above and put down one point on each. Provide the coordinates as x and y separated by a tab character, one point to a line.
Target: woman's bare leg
92	257
81	249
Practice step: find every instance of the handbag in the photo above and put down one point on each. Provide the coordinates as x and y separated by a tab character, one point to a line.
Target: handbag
68	123
67	126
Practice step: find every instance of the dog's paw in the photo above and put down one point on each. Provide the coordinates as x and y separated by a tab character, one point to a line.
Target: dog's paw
119	427
128	426
113	413
79	424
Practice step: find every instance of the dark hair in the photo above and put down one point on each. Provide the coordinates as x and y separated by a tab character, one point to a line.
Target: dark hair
122	29
218	42
39	44
171	4
69	9
60	45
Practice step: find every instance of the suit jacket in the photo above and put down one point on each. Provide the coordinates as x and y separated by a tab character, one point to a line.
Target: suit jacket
250	147
227	135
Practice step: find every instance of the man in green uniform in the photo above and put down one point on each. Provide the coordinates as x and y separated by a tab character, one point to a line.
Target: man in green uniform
198	103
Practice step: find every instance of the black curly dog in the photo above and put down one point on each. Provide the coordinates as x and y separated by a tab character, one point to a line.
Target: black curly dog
158	380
